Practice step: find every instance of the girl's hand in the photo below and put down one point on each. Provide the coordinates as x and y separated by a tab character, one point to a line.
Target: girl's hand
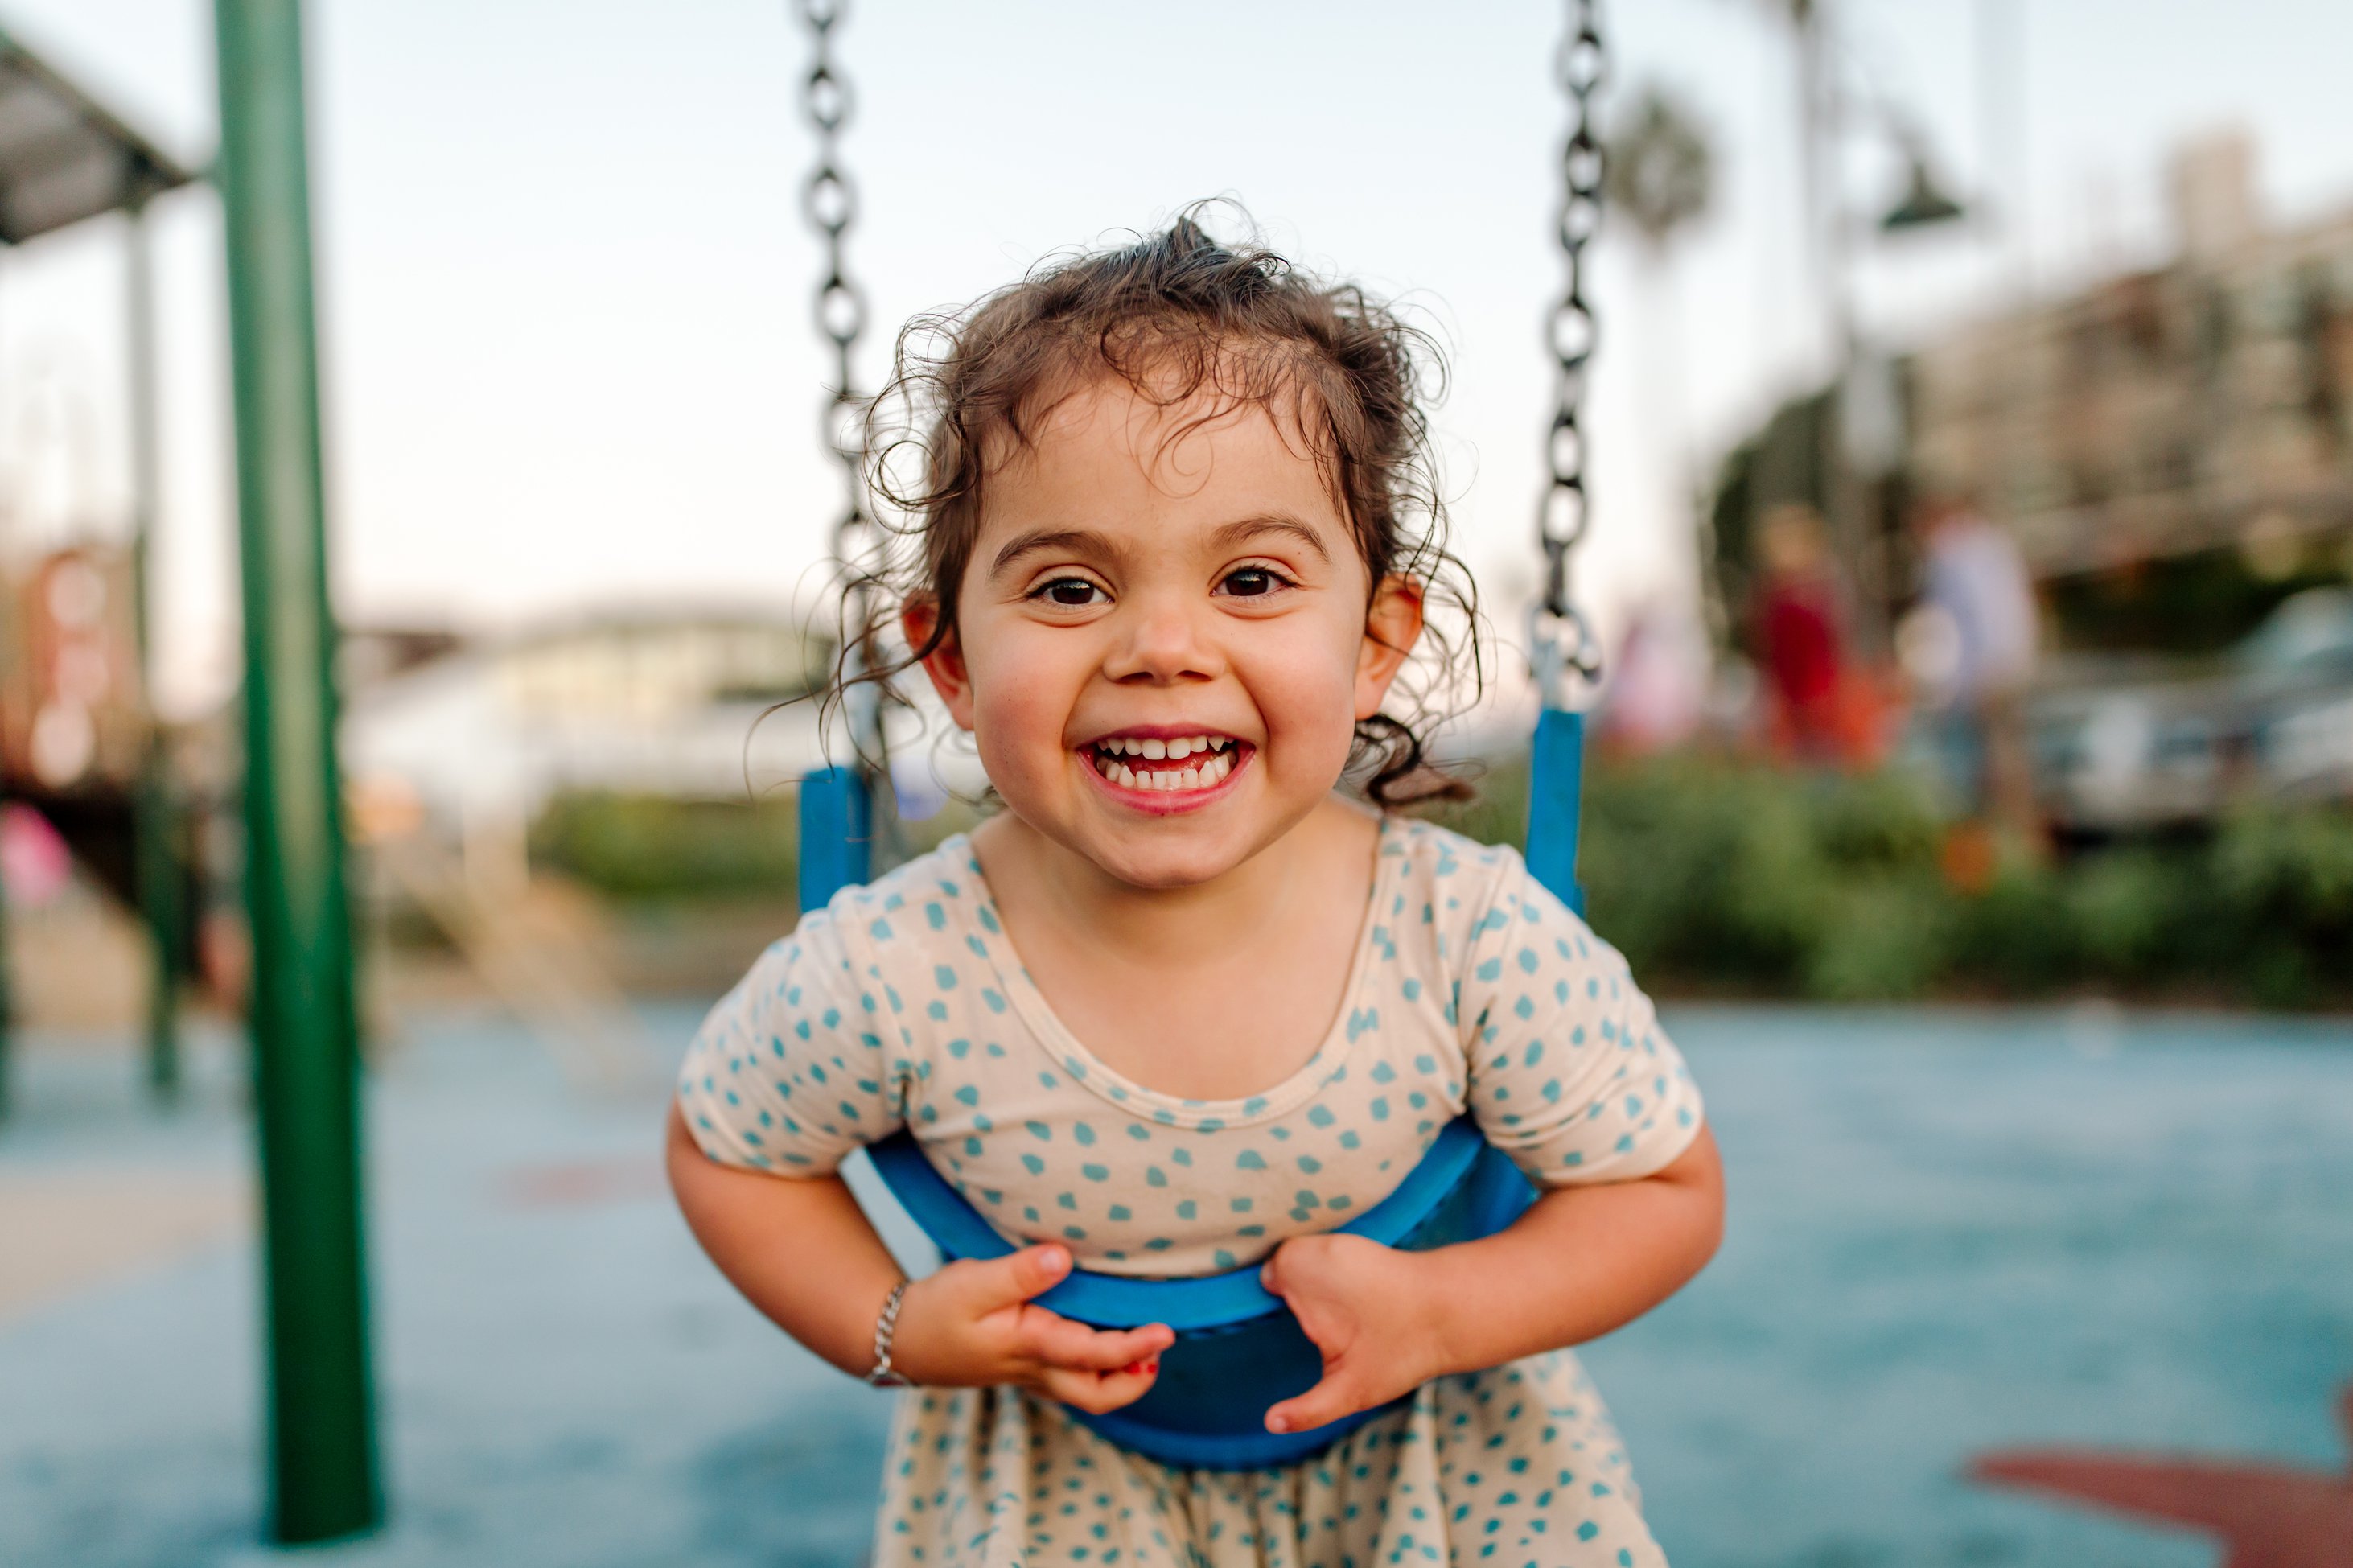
971	1324
1370	1309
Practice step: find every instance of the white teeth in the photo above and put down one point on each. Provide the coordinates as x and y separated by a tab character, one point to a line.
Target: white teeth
1213	760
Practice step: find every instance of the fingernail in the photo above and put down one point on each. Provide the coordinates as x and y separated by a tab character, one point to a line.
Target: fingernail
1278	1424
1056	1259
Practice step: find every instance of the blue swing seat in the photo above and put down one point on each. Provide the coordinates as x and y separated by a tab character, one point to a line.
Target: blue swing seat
1239	1350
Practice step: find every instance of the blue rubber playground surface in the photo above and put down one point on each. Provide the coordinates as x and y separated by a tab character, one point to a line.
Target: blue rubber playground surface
1950	1232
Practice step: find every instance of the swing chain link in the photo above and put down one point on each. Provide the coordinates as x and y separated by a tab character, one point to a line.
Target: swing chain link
1563	639
830	203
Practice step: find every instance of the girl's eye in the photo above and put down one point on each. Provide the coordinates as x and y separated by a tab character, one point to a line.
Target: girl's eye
1251	582
1070	593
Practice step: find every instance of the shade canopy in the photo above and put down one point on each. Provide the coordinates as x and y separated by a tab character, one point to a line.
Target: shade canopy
63	156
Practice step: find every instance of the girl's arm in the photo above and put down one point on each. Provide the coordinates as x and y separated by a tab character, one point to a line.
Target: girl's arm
1582	1261
801	1250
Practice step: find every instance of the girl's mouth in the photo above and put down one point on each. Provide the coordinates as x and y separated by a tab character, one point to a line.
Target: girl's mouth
1177	767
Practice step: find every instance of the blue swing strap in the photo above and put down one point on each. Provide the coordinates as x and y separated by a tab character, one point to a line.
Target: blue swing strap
837	838
1555	780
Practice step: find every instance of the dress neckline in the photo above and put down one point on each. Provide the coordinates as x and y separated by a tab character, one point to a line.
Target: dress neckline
1067	1051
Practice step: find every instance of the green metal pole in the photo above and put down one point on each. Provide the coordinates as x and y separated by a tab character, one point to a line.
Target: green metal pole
153	836
323	1479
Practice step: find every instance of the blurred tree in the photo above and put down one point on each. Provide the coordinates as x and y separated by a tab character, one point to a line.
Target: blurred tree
1660	175
1661	167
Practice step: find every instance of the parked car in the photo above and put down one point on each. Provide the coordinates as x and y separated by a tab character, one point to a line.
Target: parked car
2127	743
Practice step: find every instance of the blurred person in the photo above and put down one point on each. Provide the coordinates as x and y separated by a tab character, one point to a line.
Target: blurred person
1799	631
1164	563
34	862
1978	613
1658	685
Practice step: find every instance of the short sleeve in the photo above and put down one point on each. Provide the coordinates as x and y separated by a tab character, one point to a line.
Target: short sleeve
789	1072
1569	1073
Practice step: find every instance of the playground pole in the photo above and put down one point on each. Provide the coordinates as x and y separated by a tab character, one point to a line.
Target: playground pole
159	880
321	1423
7	998
7	995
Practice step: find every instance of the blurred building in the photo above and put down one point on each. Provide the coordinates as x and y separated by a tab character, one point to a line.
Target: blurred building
72	714
2202	408
2172	448
672	702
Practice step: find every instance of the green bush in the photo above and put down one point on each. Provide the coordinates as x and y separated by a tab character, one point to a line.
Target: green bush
1719	877
1716	875
2279	905
2124	908
2016	936
646	847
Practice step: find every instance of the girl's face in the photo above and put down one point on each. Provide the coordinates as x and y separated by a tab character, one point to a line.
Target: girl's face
1163	638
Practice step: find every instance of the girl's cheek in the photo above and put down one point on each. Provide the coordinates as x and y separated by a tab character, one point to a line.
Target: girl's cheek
1309	706
1021	702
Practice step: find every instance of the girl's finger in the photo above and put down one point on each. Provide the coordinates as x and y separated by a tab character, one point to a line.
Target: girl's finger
988	1285
1060	1342
1335	1396
1099	1393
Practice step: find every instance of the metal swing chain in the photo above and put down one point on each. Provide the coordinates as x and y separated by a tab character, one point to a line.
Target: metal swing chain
830	203
1563	641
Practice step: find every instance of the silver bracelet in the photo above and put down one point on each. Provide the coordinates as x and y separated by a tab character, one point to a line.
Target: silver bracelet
884	1376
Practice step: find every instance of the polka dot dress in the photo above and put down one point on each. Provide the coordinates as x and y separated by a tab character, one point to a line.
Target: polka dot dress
1515	1466
903	1004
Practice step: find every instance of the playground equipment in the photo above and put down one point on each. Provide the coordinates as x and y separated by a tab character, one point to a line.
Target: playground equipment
68	676
323	1455
1239	1350
540	964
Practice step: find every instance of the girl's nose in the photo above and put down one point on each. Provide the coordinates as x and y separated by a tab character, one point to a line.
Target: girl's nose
1161	643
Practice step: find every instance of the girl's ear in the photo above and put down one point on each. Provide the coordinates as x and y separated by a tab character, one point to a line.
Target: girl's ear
1392	626
918	620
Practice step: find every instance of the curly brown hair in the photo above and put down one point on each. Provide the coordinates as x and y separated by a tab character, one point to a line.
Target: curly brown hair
1175	315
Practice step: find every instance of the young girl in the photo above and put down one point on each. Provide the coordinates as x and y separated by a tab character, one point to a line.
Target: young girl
1182	1007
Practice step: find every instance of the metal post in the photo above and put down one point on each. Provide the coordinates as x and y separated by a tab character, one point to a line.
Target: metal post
1822	110
2001	149
7	996
154	838
322	1427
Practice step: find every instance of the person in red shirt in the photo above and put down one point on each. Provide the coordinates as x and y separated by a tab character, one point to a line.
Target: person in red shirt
1798	638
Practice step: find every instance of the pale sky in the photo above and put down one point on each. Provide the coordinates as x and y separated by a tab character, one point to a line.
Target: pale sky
566	290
